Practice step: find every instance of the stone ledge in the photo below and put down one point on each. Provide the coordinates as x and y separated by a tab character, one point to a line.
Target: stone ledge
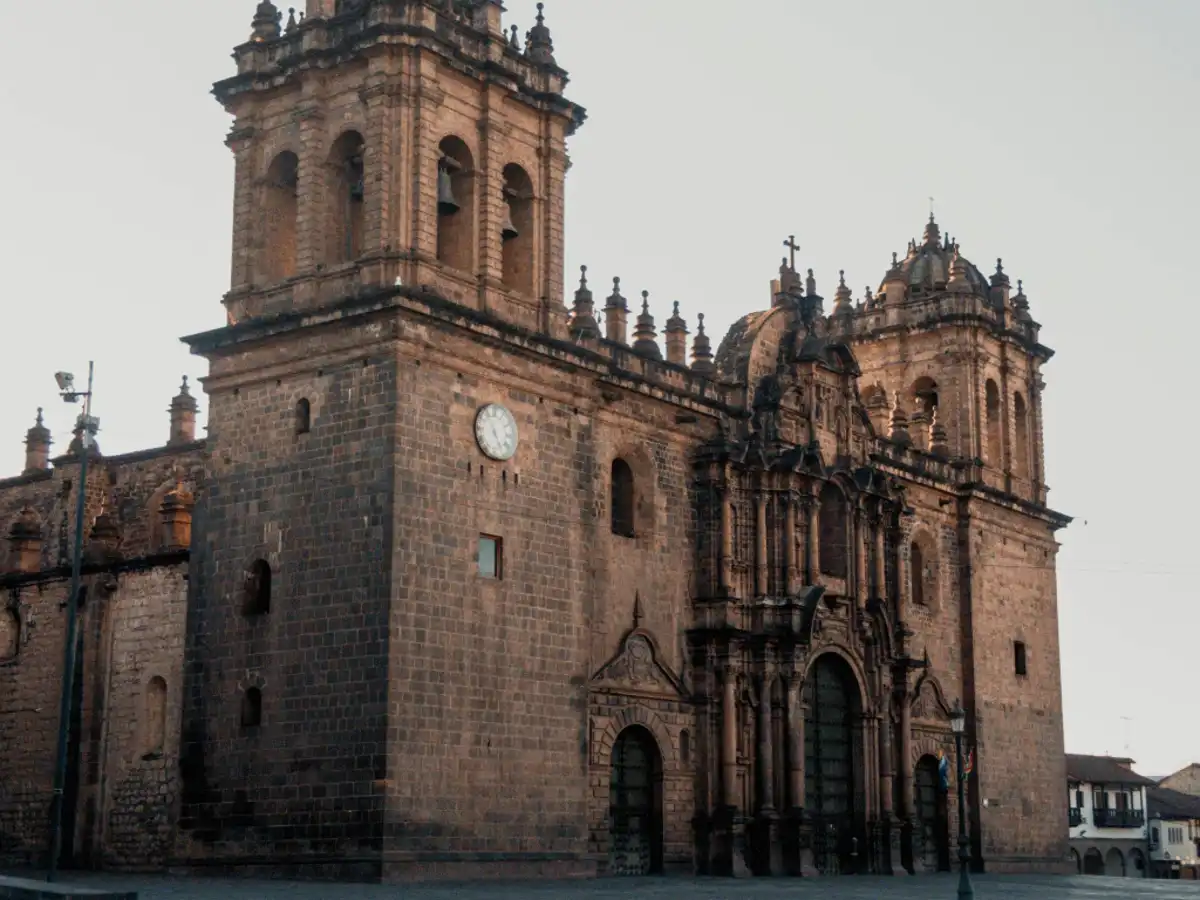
27	889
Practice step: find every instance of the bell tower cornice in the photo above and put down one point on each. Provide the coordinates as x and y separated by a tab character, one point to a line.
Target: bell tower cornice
276	56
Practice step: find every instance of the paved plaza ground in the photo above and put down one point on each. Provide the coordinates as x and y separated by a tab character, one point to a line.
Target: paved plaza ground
845	888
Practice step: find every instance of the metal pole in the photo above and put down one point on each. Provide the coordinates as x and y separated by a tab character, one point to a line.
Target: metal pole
965	890
68	680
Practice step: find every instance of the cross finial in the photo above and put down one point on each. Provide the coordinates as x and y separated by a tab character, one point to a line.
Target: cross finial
792	246
930	209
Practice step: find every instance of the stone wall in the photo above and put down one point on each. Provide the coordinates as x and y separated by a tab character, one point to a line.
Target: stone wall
140	748
1021	766
302	786
130	625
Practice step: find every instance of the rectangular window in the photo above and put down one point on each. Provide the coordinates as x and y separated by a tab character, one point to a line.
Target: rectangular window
1079	799
490	556
1019	657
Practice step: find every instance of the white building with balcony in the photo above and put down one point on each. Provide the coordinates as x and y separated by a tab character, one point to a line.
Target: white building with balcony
1106	806
1174	820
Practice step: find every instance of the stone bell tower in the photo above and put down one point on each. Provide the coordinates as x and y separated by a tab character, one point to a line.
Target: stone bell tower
410	142
956	355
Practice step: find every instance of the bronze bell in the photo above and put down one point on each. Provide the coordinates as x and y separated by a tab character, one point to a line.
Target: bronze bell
447	205
508	230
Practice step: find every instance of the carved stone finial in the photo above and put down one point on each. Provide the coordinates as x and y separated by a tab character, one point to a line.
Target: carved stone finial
291	22
540	48
265	24
645	337
898	423
702	358
938	441
513	41
637	609
583	315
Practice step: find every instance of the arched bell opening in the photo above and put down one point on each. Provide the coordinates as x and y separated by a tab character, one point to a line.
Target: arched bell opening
346	198
517	230
1021	437
281	208
636	804
995	446
456	205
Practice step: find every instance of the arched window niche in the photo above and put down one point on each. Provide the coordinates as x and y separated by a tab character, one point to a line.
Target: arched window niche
995	444
1021	436
281	206
346	195
517	230
456	205
623	499
834	534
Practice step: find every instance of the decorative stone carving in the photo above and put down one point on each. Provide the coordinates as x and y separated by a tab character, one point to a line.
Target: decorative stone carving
636	666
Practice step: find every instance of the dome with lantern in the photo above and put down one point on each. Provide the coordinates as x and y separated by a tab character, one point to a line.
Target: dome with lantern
935	264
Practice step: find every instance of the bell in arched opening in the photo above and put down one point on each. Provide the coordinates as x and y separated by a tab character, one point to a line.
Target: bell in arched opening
508	230
447	205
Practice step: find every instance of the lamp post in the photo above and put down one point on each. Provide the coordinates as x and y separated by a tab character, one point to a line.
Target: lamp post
958	722
87	428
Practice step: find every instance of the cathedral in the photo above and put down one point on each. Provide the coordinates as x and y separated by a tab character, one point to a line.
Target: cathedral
469	578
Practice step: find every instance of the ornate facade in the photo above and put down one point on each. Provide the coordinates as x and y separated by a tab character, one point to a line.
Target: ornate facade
476	586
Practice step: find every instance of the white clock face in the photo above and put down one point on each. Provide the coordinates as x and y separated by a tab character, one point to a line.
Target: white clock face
496	432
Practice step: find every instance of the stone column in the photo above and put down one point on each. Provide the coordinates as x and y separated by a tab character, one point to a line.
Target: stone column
796	742
729	737
905	764
762	587
881	591
765	756
814	540
903	563
789	543
726	542
860	557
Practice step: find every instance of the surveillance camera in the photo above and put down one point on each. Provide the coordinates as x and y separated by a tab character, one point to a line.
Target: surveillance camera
66	381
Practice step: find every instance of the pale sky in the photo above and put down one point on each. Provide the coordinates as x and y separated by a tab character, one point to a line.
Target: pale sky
1062	136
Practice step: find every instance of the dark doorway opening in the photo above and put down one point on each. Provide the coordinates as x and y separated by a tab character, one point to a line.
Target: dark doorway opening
832	707
635	805
933	820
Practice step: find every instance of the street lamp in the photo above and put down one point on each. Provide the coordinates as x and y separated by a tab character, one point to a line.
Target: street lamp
88	427
958	723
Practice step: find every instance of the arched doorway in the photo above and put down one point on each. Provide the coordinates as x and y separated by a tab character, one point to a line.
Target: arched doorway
933	820
1114	863
831	713
1076	861
1136	864
635	805
1093	862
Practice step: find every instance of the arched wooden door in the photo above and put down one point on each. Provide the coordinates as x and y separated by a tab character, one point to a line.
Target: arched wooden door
933	821
635	805
831	701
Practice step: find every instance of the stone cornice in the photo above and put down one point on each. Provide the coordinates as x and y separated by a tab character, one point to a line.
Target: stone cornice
62	573
611	363
321	44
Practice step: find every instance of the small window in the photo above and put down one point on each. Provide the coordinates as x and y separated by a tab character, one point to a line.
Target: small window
685	747
1079	799
252	708
1154	836
490	556
1019	657
622	498
256	599
303	416
156	716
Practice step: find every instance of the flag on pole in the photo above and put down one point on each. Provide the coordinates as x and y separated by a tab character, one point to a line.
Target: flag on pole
944	769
